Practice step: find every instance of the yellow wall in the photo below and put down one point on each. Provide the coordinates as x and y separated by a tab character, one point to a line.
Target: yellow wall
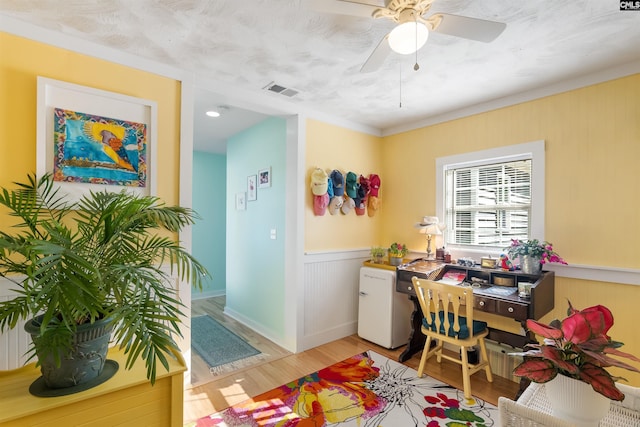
592	149
332	147
23	60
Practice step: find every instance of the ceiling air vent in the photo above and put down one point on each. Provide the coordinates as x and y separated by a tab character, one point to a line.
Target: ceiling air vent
276	88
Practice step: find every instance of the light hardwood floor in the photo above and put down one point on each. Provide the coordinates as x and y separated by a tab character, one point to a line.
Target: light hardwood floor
205	398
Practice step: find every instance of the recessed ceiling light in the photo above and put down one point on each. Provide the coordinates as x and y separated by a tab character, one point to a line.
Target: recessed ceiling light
218	111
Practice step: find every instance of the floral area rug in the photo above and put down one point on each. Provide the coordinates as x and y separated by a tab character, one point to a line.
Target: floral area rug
366	390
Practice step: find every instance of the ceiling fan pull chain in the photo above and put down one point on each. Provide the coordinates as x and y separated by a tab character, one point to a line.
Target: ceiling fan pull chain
400	96
416	67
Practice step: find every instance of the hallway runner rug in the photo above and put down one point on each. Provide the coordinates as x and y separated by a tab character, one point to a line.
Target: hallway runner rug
366	390
219	347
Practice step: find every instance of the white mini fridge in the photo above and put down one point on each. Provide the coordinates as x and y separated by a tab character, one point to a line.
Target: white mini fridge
384	315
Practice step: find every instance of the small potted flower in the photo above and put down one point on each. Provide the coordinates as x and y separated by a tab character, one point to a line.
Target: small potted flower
574	355
377	254
533	254
397	252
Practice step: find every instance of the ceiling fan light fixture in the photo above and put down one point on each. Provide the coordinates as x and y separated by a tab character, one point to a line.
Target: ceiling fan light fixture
408	38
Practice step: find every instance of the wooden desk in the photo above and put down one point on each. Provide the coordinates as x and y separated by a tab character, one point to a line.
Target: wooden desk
127	399
485	299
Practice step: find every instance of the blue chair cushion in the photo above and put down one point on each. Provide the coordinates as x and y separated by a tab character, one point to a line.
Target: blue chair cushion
478	326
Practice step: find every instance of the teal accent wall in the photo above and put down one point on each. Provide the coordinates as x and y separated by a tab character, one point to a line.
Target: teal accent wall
209	232
255	262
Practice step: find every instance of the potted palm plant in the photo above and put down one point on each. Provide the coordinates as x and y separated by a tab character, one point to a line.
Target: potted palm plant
101	262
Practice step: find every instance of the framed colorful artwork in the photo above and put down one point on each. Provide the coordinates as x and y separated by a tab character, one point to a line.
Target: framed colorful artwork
252	188
94	140
264	178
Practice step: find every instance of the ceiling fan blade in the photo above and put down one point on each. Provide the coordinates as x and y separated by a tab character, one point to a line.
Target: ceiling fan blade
344	7
465	27
377	57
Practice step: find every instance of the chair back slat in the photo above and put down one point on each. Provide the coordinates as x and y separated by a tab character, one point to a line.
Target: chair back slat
435	297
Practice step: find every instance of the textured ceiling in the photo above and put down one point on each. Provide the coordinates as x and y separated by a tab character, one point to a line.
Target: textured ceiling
248	44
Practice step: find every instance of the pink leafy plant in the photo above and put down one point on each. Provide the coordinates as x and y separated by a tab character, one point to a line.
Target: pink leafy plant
577	347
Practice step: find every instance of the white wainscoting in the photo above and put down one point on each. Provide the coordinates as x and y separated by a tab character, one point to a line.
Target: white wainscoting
331	291
14	343
331	296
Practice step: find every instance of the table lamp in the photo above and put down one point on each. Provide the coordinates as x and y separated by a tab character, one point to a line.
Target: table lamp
429	227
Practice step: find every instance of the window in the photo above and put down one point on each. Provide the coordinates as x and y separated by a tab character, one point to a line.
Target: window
489	197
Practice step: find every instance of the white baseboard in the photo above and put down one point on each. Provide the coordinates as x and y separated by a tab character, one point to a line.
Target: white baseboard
315	340
205	295
259	328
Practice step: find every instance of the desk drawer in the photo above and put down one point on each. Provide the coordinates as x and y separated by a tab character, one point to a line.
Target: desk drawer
512	310
406	287
484	304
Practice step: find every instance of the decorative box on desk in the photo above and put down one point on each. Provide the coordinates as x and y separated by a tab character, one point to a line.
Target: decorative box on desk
489	296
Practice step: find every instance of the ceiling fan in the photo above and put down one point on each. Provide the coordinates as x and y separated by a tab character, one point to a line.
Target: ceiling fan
413	28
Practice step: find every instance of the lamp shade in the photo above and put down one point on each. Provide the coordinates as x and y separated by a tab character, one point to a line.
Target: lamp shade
426	221
430	229
408	37
430	220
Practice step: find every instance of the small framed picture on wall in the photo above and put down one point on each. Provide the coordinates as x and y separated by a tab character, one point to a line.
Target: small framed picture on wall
264	178
252	188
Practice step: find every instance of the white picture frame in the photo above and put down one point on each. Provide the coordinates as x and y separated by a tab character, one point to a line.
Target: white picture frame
252	188
264	178
55	94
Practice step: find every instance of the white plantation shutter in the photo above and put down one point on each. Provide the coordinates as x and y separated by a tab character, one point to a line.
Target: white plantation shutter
487	205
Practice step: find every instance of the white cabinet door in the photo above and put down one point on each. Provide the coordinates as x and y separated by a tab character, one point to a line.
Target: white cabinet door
375	308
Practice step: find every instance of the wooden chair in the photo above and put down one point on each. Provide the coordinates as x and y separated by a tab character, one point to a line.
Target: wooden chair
450	308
